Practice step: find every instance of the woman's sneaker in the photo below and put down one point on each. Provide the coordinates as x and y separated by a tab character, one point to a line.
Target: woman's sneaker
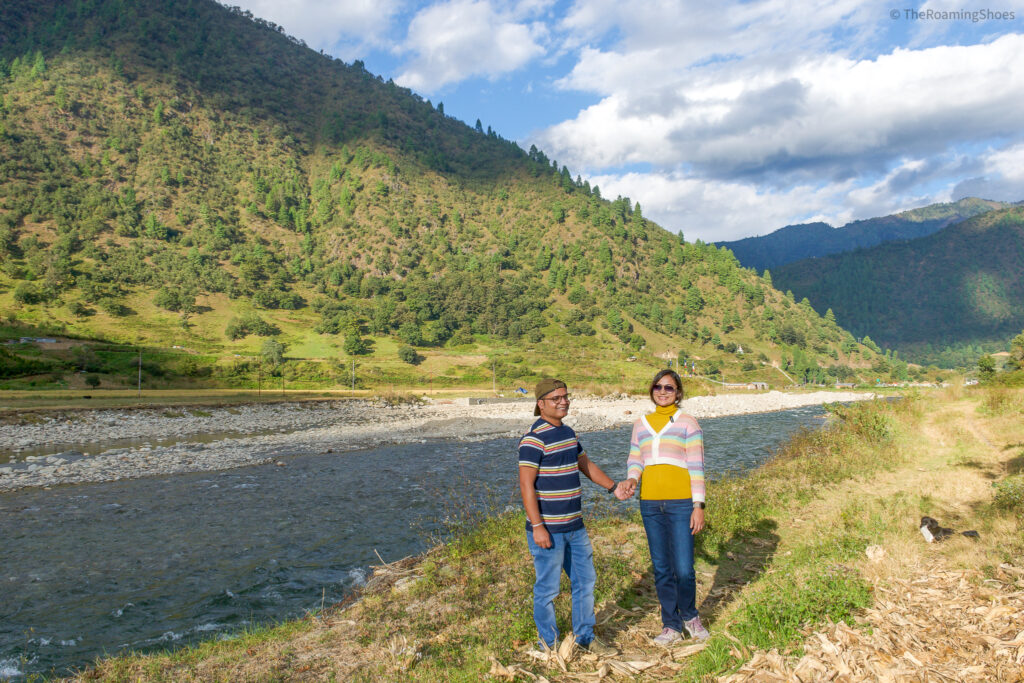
696	629
667	636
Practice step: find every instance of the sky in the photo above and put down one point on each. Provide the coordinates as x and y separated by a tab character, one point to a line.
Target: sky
723	120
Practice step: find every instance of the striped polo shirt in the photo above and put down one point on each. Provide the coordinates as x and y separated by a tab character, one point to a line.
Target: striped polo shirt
554	452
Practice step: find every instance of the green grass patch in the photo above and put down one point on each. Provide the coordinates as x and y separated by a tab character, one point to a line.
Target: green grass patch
774	617
1009	495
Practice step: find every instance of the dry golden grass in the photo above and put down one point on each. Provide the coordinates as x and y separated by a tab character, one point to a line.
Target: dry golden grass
945	611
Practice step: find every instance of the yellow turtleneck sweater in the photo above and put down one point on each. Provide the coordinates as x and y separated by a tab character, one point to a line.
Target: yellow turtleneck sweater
664	482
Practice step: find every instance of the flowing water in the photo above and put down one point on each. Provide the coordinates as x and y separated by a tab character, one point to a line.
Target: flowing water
95	569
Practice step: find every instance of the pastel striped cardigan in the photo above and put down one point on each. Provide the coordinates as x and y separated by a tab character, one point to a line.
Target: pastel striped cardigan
680	442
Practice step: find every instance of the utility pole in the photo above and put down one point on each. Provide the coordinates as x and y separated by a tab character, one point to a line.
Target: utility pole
259	378
140	374
494	381
353	374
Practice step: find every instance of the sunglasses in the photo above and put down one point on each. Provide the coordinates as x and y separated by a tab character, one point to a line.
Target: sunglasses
665	387
557	399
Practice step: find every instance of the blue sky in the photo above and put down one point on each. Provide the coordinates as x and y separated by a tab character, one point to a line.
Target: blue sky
724	120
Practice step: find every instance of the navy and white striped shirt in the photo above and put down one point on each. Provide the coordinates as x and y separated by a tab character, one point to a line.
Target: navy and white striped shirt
554	452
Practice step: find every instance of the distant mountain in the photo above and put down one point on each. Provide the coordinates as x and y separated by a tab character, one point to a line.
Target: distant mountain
807	240
961	285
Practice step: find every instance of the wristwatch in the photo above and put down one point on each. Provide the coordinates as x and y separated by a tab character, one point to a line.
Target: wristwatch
612	489
699	504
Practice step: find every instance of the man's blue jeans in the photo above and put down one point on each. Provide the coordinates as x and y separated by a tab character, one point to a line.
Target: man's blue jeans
667	523
570	551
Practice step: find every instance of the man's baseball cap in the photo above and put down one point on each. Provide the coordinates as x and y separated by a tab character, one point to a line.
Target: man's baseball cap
545	387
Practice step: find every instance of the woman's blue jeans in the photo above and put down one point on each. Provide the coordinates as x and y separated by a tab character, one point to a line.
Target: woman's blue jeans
667	523
570	551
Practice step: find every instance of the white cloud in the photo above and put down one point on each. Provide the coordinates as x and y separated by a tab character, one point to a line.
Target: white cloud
829	115
719	211
689	33
1009	164
755	115
463	38
1001	177
343	29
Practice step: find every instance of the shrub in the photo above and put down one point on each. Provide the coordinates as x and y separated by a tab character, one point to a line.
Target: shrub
92	380
410	334
250	323
1009	494
170	299
1002	402
79	310
461	337
114	308
273	351
408	355
27	294
355	345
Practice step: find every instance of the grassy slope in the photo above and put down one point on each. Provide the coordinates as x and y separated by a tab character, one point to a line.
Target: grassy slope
785	553
134	114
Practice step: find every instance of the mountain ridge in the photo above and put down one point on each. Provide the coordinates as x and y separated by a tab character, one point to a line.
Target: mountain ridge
961	285
808	240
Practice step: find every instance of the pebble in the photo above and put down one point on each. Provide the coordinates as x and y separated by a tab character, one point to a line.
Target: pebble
323	427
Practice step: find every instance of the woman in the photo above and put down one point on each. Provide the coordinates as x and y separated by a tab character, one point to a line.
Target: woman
667	452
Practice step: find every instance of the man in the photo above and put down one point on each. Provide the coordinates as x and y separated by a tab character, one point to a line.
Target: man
550	461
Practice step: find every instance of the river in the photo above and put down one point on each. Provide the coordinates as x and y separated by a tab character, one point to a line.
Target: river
94	569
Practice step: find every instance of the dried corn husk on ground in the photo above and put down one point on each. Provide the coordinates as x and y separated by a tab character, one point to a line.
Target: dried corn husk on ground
936	626
639	659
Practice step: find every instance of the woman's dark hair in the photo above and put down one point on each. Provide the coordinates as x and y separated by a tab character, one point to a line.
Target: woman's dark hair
667	373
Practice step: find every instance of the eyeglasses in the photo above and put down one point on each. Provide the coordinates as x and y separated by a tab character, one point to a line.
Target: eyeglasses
665	387
558	399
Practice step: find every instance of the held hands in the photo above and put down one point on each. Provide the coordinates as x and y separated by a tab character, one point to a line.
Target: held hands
625	489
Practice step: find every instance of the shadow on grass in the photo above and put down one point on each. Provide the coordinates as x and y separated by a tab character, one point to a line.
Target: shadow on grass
744	558
1015	465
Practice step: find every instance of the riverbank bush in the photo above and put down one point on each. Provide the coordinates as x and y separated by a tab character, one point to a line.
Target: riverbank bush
853	445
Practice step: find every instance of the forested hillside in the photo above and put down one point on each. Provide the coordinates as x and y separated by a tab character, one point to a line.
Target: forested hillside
177	173
796	242
961	286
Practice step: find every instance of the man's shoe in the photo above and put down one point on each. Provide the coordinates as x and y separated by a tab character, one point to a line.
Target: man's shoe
667	636
696	629
600	649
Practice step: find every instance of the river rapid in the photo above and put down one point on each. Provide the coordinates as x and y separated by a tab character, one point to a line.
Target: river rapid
168	560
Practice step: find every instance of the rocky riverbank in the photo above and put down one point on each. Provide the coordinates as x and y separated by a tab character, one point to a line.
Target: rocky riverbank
222	438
